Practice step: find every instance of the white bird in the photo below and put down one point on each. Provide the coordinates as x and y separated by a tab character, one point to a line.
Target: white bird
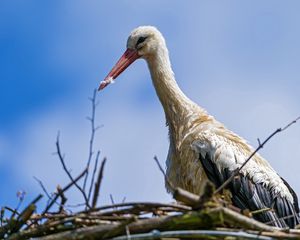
202	148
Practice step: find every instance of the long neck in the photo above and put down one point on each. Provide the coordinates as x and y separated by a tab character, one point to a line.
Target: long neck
174	101
180	111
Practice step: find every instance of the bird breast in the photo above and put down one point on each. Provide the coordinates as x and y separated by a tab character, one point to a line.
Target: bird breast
184	169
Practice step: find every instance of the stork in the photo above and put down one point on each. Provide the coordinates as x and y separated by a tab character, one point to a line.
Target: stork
201	148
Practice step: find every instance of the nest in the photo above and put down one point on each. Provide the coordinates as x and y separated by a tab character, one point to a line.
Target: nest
206	217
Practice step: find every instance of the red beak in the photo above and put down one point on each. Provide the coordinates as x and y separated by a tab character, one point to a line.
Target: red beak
127	58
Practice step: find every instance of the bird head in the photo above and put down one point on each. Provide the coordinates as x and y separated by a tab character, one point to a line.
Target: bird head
143	42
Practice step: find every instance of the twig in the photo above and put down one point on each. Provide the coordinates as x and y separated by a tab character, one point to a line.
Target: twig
112	199
165	176
73	182
98	184
193	234
202	219
43	187
93	176
50	197
2	212
236	219
93	130
26	214
21	195
128	237
148	204
261	211
61	158
186	197
119	229
13	211
61	194
140	210
282	218
260	146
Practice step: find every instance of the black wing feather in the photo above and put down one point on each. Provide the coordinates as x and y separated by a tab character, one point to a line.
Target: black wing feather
296	205
255	196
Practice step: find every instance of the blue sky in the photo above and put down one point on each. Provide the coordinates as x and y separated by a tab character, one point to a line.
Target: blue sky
239	60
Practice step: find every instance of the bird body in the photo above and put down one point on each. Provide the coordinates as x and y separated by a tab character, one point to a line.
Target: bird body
201	148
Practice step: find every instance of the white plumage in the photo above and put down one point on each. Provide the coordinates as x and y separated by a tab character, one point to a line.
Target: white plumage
201	148
228	154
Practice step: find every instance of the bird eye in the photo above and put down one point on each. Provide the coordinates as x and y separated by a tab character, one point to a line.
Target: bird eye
140	40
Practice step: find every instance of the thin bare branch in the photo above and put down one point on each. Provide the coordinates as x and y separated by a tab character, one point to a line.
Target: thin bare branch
165	176
193	234
63	198
73	182
27	213
61	158
13	211
260	146
93	130
98	184
43	187
53	194
112	199
93	176
134	204
282	218
2	212
21	195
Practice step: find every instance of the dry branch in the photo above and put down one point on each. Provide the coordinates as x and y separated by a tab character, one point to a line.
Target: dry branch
172	188
93	175
92	138
61	158
63	198
194	234
63	190
204	219
98	183
260	146
133	218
